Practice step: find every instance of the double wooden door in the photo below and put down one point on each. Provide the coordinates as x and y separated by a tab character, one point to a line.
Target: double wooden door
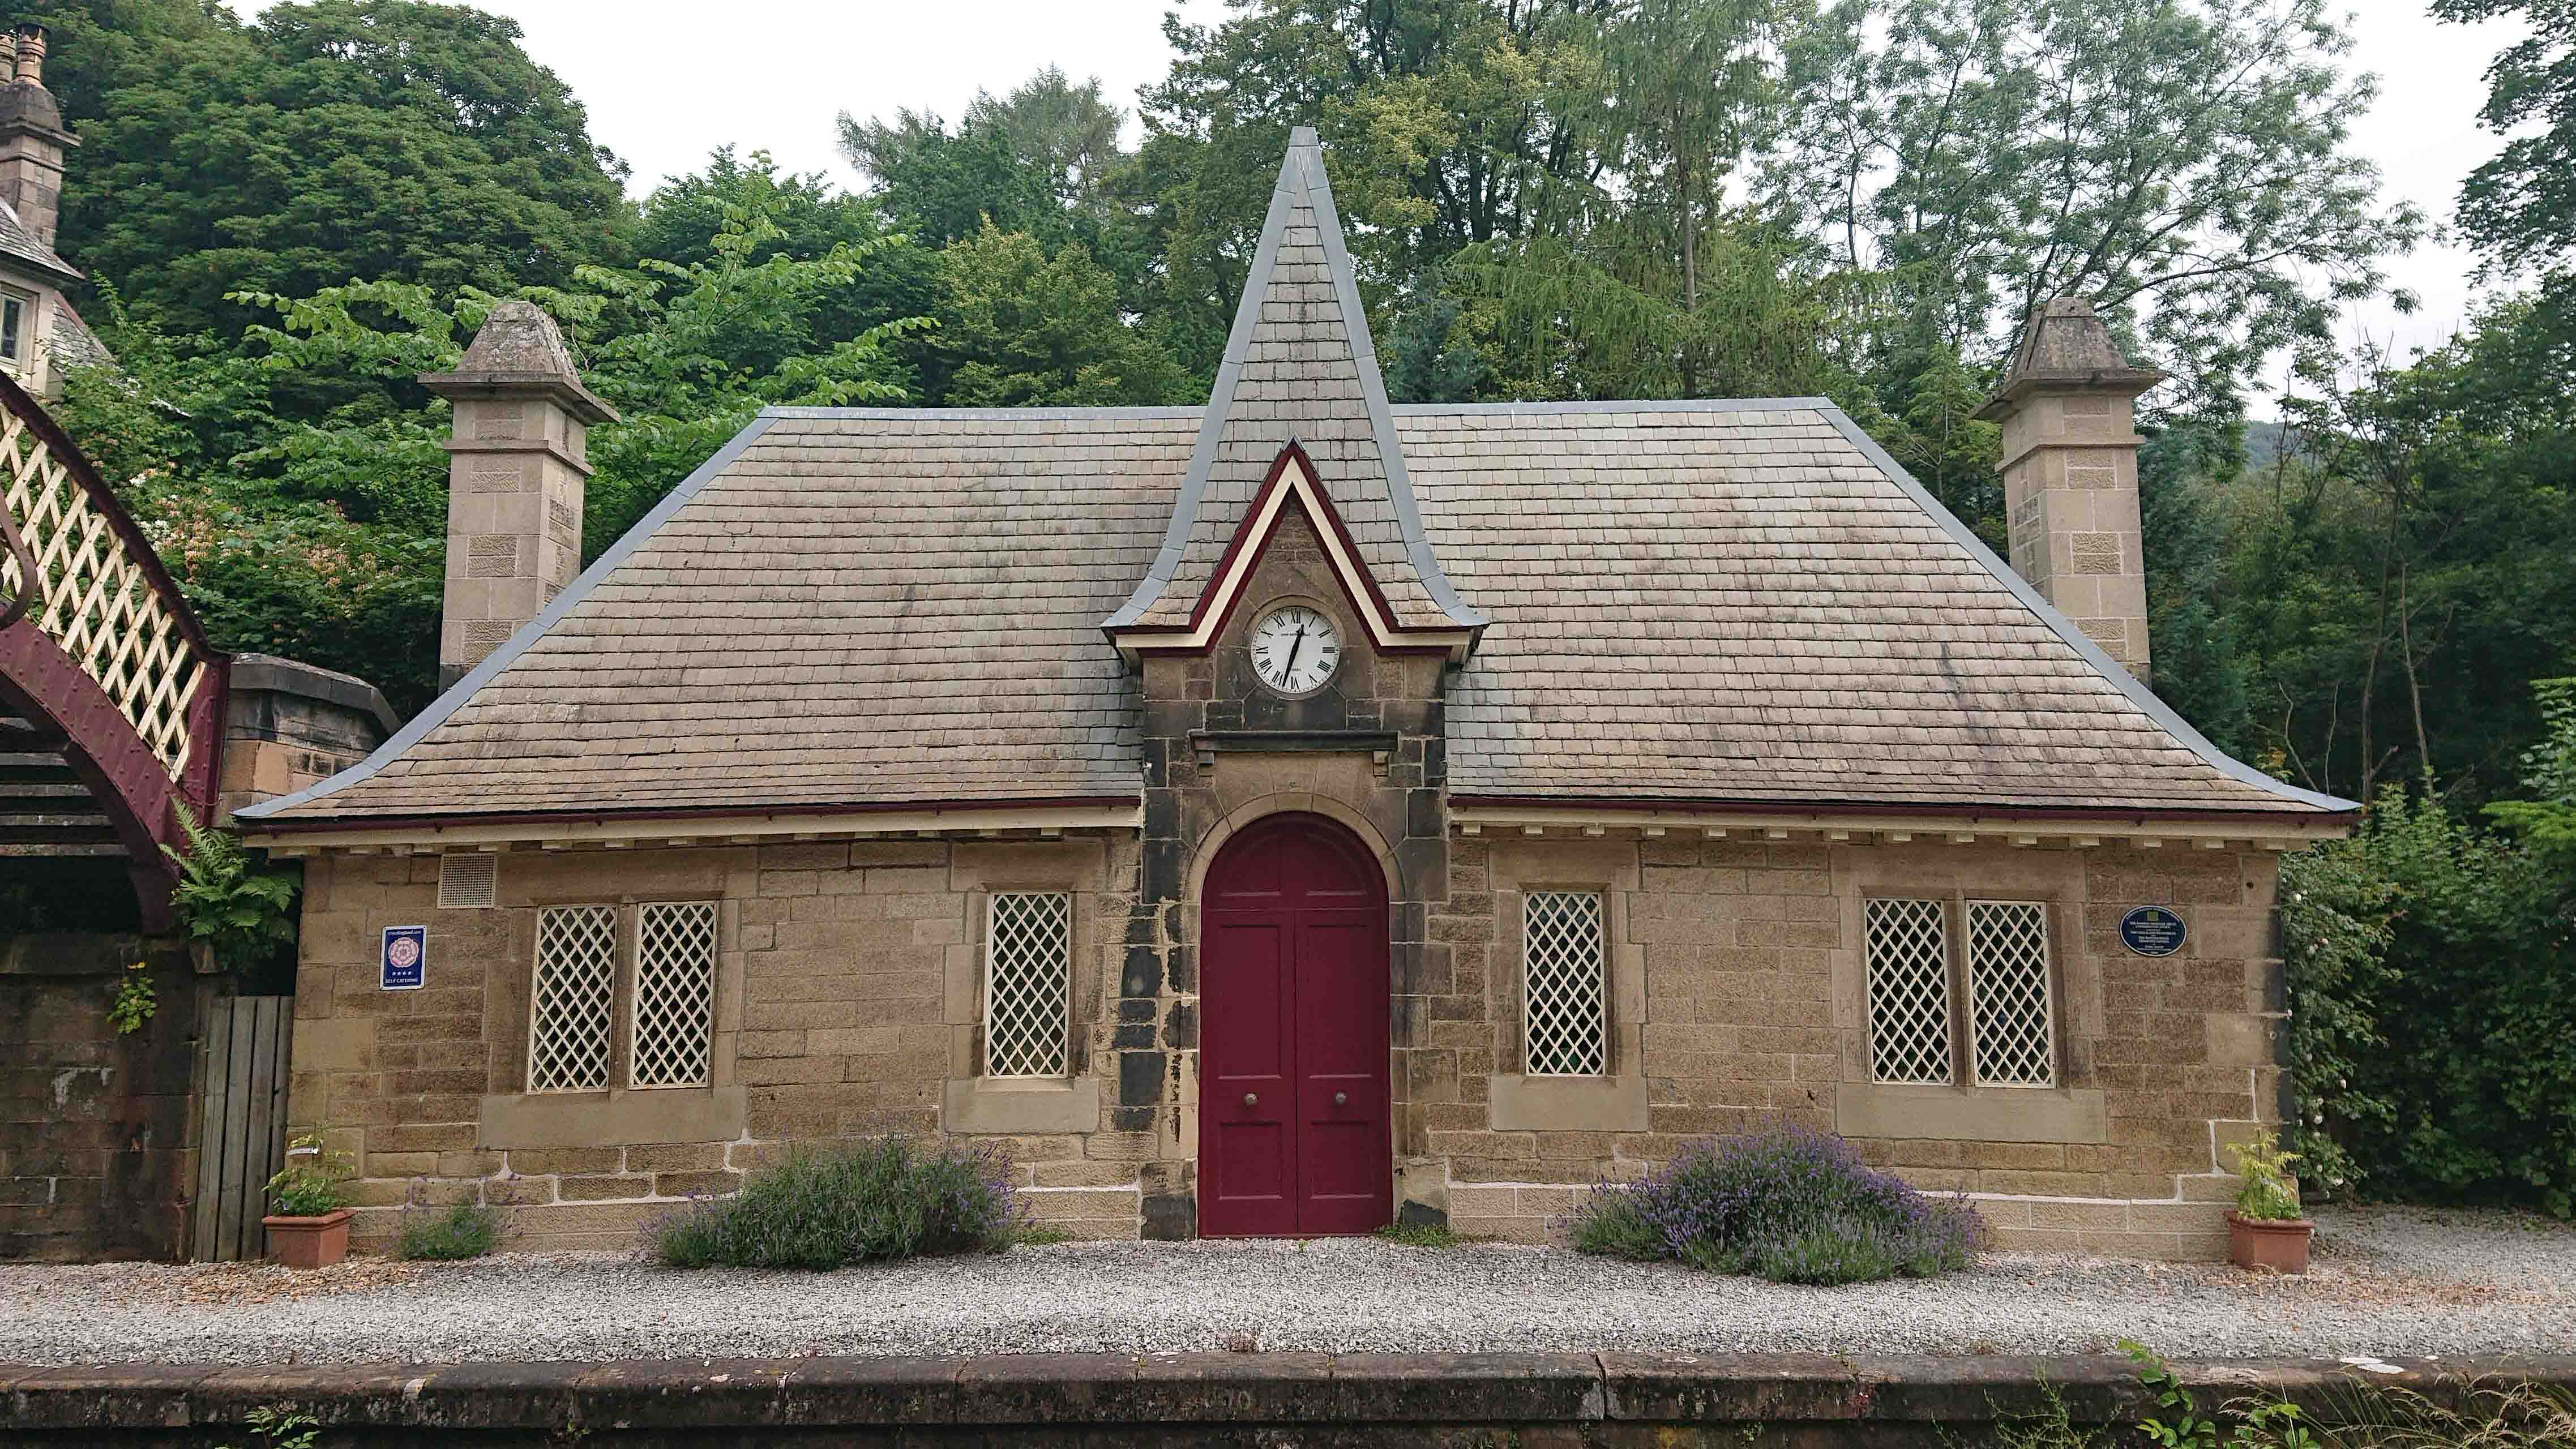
1294	1107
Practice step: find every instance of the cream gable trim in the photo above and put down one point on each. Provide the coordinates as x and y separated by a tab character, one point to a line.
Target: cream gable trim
2292	832
429	837
1224	593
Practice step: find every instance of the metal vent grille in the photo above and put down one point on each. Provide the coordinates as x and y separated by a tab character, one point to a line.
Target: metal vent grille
2011	1022
467	882
1909	990
572	999
1562	984
675	993
1028	983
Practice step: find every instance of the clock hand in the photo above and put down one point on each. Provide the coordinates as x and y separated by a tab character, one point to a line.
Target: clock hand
1289	669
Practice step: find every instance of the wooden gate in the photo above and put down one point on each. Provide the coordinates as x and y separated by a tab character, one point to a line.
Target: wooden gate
241	1124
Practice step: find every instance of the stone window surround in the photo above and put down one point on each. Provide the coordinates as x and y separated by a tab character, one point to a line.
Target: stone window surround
621	1115
1956	1111
1615	1101
971	1103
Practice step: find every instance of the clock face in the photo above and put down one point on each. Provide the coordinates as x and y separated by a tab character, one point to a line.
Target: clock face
1295	649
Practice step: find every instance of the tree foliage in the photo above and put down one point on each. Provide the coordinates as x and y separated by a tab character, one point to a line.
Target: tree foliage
332	139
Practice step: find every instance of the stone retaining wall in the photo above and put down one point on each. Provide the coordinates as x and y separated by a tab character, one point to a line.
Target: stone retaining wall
1431	1401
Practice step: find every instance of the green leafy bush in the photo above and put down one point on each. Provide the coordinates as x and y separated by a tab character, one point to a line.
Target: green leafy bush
467	1230
314	1181
2267	1192
1785	1203
822	1210
2432	992
135	1003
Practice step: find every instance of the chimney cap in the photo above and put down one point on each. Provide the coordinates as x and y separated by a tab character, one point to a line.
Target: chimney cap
520	350
2066	348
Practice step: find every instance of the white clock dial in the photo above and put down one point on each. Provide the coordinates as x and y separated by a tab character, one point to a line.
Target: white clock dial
1295	649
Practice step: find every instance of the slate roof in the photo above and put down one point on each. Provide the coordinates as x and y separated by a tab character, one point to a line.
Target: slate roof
17	244
1679	602
1299	364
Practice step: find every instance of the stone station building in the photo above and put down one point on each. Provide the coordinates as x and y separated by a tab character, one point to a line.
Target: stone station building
1297	813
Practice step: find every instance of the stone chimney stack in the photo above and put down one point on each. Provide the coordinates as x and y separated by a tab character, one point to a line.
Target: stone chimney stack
2070	465
517	462
32	138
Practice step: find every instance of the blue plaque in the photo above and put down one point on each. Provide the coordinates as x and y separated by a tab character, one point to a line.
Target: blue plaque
406	958
2151	931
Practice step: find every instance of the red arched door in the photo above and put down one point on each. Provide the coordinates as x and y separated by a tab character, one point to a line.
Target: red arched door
1294	1110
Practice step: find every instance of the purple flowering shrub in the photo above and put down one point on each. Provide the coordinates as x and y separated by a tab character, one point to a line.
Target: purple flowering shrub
826	1208
1783	1203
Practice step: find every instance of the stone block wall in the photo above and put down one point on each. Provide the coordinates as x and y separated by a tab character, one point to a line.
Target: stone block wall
1754	1009
849	999
95	1153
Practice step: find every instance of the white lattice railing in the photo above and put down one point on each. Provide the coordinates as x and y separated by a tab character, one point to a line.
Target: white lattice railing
94	596
675	993
2011	1016
572	1001
1908	955
1028	984
1563	984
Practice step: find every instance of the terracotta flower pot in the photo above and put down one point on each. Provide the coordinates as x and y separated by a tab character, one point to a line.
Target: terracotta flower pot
2279	1245
309	1242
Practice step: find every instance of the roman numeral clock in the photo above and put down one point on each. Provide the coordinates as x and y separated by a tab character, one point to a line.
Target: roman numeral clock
1295	649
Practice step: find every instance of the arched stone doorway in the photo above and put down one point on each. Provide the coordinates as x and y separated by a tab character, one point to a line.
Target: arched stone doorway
1295	1106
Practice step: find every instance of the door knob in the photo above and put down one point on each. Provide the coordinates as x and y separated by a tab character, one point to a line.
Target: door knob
1251	1099
1341	1099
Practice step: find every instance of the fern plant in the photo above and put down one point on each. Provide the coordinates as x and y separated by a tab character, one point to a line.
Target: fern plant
242	914
2266	1191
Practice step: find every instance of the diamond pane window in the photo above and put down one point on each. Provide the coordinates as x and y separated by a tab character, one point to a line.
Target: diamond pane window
675	993
1909	990
1564	984
573	999
1028	984
2012	1031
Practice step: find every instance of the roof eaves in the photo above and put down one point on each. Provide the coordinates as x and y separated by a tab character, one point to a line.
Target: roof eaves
446	705
1614	405
2127	683
984	415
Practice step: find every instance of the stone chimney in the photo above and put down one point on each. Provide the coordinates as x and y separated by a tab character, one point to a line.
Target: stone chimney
516	465
32	138
2070	465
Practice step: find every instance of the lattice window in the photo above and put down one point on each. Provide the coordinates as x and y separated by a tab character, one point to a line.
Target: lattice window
572	1002
2012	1026
1565	984
675	993
1909	990
94	597
1028	984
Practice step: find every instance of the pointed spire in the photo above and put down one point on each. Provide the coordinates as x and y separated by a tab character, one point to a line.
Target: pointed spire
1299	367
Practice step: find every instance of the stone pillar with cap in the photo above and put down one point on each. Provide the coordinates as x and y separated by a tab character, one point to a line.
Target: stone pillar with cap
517	462
32	136
2070	469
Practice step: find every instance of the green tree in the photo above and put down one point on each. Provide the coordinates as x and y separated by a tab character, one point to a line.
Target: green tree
2182	165
2520	208
331	139
1021	329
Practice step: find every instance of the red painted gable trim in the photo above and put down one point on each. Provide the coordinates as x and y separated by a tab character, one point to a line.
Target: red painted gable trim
1143	636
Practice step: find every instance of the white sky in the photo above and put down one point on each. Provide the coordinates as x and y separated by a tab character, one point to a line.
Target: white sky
665	82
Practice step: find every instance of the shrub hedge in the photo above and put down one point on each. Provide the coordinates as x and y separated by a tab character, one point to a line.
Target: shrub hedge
822	1209
1784	1203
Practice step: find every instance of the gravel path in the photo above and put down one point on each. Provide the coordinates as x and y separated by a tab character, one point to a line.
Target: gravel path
2385	1282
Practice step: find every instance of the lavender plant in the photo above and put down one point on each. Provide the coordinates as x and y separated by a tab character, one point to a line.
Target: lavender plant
1784	1203
825	1209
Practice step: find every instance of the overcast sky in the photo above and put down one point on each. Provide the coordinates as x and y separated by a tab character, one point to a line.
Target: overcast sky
665	82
